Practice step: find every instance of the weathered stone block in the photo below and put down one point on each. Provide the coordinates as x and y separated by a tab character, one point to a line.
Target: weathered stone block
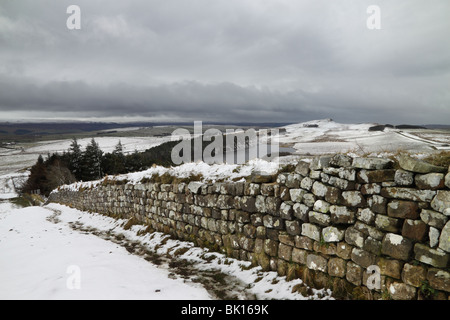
414	275
271	247
403	209
396	246
377	204
306	183
293	227
285	252
260	204
387	224
293	180
372	163
401	291
439	279
408	194
319	189
353	199
332	234
272	222
311	231
362	258
303	242
301	211
372	245
342	215
433	218
431	181
321	206
344	250
427	255
309	199
273	205
373	176
419	166
441	202
297	194
414	229
341	160
370	188
316	262
404	178
321	219
444	239
433	235
320	162
302	168
268	189
337	267
389	267
347	174
354	237
195	187
299	256
354	273
366	215
286	210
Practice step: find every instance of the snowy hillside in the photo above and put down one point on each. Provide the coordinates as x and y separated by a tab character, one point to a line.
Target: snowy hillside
326	136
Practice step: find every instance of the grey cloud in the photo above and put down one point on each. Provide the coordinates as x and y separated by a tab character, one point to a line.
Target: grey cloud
280	60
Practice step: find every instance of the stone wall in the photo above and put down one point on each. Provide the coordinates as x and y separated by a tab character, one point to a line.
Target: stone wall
357	226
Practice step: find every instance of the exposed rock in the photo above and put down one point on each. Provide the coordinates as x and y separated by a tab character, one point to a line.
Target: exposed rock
396	246
433	235
444	239
433	218
372	163
427	255
316	262
353	199
301	211
332	234
311	231
354	237
403	209
441	202
302	168
342	215
372	176
431	181
408	194
401	291
297	194
414	275
387	224
414	229
439	279
341	160
404	178
337	267
319	218
418	166
320	162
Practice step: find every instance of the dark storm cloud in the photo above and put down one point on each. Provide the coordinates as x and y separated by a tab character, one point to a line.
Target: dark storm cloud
226	60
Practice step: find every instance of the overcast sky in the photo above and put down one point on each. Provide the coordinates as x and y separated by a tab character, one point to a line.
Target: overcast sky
226	60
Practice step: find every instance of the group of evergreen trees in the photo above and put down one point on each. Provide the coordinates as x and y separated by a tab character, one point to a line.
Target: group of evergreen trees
91	164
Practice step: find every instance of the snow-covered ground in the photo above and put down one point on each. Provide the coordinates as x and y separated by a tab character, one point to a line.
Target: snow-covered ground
332	137
25	155
43	256
40	259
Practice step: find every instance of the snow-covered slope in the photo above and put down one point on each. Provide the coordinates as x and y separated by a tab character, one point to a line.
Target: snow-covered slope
327	136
